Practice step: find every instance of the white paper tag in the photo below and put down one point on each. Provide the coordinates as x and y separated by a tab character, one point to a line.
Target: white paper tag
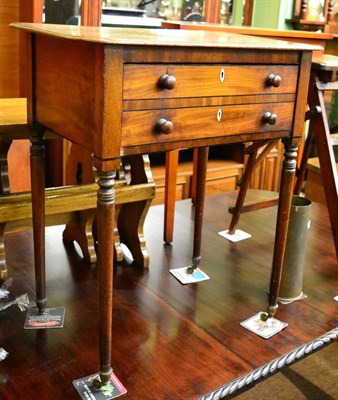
265	329
236	237
182	275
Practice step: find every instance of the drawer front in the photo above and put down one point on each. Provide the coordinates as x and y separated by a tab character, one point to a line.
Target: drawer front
169	125
174	81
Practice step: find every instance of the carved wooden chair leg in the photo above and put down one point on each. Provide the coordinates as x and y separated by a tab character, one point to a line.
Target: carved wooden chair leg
81	231
133	211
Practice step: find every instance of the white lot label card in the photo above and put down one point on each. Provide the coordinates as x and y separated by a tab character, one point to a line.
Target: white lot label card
265	329
236	237
182	275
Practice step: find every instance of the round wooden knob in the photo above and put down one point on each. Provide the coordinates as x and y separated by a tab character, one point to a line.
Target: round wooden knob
269	118
274	80
164	126
167	82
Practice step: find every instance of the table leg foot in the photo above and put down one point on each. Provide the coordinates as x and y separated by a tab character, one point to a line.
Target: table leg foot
103	379
195	263
272	310
41	305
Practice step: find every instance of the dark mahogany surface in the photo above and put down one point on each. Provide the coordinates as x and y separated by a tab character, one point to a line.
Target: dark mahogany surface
169	341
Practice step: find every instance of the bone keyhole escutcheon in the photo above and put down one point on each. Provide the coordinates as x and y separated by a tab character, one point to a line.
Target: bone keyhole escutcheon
222	75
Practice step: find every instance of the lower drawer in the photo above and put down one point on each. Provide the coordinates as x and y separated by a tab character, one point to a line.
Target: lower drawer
170	125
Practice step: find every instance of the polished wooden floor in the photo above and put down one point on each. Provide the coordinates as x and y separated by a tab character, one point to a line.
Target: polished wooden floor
171	341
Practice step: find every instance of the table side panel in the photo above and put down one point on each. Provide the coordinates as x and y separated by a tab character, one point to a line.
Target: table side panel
69	97
113	78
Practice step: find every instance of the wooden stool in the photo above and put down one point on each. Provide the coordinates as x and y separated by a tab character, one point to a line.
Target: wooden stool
323	75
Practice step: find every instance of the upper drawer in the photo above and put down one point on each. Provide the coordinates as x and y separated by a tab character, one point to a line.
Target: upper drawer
144	81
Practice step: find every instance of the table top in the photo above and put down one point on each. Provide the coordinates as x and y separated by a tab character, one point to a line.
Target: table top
160	37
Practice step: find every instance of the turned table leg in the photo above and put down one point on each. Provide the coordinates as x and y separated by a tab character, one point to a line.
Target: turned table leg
105	236
37	162
202	161
284	207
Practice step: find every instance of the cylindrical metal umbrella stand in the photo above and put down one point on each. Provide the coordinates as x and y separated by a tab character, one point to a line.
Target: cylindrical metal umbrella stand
295	251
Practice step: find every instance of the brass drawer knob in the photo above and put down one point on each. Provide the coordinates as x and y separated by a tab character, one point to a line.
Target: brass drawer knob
269	118
164	126
167	82
274	80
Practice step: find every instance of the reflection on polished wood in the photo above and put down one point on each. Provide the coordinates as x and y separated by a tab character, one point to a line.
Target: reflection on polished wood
174	342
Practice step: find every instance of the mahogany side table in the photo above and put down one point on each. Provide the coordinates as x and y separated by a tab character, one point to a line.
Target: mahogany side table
124	92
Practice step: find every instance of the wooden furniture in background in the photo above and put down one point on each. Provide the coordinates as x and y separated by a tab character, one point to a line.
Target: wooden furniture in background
308	19
9	51
13	88
323	78
212	9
